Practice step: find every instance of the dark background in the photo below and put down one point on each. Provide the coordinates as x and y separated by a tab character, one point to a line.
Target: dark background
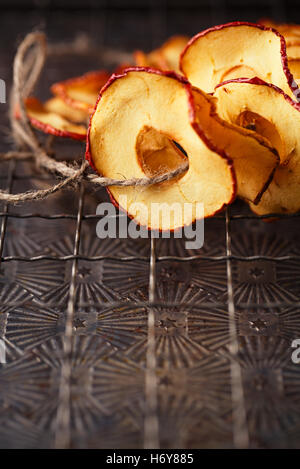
132	23
125	25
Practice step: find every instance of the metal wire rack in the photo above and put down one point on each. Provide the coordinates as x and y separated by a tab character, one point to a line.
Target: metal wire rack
145	344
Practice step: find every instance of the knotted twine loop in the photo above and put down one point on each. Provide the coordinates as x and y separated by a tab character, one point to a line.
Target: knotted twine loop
28	64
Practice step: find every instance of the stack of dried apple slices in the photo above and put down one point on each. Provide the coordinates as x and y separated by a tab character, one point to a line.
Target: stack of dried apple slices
68	112
259	93
291	34
232	114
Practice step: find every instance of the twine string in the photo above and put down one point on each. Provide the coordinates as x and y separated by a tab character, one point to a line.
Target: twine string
28	64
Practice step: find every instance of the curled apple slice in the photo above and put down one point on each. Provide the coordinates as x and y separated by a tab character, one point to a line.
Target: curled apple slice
120	68
236	50
290	30
52	122
153	59
139	116
81	92
255	158
165	57
58	106
171	51
291	34
267	109
293	49
294	65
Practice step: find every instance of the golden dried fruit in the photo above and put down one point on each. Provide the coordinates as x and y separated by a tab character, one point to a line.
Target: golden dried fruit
132	132
51	122
277	118
81	92
237	50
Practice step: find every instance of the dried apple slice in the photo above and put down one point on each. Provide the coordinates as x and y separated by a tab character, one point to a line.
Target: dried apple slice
52	122
294	65
140	59
291	34
81	92
236	50
58	106
293	48
165	57
290	30
139	116
268	110
171	51
153	59
255	159
120	68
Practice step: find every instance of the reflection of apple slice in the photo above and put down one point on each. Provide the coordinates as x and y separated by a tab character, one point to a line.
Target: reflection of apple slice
51	122
269	111
165	57
132	132
240	49
81	92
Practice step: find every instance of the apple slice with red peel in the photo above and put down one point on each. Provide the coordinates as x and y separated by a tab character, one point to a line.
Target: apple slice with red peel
171	51
81	92
139	116
140	58
294	65
58	106
255	159
236	50
293	49
153	59
165	57
267	109
52	122
290	30
291	34
120	68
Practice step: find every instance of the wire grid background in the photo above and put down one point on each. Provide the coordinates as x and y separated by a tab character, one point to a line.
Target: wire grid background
138	343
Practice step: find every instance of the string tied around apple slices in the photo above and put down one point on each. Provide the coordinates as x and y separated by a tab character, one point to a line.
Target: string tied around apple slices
28	65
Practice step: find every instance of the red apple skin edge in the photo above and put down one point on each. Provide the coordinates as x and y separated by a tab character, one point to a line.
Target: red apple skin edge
48	129
284	60
259	81
270	178
60	86
211	146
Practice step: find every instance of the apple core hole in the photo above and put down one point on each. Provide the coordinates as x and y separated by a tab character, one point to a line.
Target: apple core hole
257	123
157	153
